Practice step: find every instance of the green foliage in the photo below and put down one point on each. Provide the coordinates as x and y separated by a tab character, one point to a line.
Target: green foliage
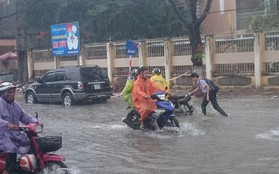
199	57
264	23
101	20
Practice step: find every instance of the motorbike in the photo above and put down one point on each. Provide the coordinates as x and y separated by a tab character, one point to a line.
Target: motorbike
163	116
181	102
40	159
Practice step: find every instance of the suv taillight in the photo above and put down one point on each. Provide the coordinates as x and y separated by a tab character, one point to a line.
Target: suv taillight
80	85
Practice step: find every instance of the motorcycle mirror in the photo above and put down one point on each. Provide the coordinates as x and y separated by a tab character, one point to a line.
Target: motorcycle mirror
37	116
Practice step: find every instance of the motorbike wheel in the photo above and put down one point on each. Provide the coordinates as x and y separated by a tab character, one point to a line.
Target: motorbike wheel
133	120
174	122
53	167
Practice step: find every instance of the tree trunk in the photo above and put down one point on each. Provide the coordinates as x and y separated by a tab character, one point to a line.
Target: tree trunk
196	44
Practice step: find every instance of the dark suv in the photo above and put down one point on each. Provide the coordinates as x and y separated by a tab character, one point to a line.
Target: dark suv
70	85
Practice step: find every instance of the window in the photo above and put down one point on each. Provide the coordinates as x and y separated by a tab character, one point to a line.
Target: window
59	76
245	9
93	73
48	77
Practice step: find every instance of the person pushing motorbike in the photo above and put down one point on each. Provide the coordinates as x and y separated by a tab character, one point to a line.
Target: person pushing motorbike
141	94
11	114
209	91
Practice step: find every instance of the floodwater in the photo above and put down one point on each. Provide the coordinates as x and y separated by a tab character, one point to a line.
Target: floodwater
96	141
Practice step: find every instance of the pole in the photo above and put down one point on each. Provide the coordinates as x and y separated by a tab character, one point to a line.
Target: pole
17	43
130	65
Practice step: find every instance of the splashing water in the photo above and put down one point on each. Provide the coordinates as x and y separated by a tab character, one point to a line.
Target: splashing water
270	135
190	129
166	132
72	170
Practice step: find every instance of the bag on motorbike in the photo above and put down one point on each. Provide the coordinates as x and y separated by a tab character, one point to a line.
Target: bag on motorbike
212	85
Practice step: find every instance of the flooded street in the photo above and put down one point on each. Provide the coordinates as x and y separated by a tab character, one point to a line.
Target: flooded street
96	141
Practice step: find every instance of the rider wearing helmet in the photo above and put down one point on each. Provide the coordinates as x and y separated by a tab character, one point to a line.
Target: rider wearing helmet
11	115
126	93
159	79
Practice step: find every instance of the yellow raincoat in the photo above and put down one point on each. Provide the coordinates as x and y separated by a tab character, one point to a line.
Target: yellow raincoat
160	81
144	88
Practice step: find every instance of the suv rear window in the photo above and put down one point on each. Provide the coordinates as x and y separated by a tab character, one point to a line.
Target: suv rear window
93	73
73	74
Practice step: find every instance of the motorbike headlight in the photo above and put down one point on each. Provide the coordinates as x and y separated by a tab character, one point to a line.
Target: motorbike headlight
39	128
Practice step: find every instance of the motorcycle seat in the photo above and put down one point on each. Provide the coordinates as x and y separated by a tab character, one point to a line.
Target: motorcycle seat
184	100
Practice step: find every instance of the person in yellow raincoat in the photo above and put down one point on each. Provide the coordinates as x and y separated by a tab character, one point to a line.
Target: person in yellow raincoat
141	92
159	79
127	91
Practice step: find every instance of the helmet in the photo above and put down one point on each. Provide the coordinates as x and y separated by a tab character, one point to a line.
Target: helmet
5	86
133	74
141	69
156	71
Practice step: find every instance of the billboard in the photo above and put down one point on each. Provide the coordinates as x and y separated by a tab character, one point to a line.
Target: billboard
65	39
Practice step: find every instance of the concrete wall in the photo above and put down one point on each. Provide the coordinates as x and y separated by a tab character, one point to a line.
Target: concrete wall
248	65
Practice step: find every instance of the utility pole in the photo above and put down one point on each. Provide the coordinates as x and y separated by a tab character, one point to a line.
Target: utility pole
17	42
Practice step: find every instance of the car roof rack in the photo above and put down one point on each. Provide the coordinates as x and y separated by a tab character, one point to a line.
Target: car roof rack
73	66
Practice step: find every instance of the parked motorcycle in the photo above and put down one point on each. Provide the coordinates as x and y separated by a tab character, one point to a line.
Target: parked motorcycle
163	116
181	102
40	159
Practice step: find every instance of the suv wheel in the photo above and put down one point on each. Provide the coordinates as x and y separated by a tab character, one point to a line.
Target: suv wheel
30	98
68	99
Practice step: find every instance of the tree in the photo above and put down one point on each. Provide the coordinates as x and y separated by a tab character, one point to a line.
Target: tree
266	22
101	20
186	10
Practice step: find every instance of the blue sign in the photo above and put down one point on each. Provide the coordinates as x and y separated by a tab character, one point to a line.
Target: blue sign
65	39
131	48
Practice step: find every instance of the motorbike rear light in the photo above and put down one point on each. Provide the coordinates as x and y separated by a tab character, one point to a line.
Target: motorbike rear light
80	85
38	128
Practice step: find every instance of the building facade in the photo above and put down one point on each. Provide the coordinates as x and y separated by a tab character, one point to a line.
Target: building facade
233	16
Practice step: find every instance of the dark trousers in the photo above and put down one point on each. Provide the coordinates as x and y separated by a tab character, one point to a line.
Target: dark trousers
213	100
11	162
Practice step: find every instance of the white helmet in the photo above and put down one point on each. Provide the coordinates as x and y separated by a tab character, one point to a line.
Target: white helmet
5	86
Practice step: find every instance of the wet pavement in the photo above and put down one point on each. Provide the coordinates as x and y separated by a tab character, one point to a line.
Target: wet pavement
96	141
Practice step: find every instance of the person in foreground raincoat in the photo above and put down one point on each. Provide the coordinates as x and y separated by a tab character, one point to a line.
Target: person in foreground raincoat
127	91
141	94
159	79
12	142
